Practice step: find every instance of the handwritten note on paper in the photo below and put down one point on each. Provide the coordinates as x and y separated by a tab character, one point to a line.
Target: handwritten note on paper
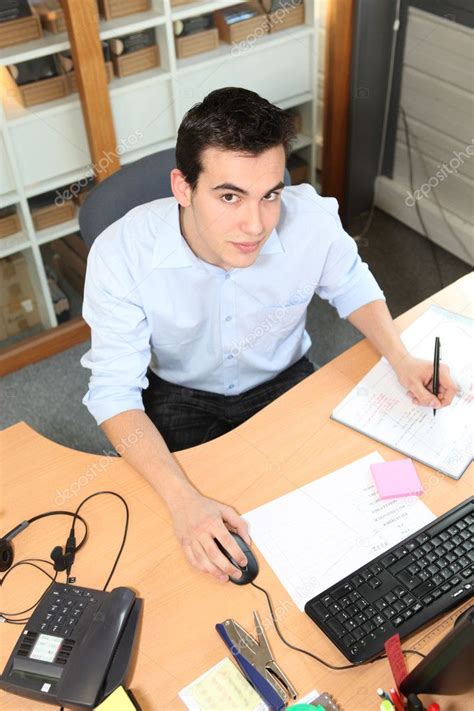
380	408
318	534
221	687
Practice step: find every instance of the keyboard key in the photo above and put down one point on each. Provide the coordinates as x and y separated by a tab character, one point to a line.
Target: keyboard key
350	625
437	593
378	620
375	583
407	614
370	611
352	610
327	600
389	612
389	559
342	591
348	640
417	607
427	599
438	579
336	627
399	591
357	580
409	600
397	621
344	602
321	611
335	608
433	568
463	561
411	545
410	581
390	597
380	604
361	604
398	606
376	568
368	626
422	538
445	573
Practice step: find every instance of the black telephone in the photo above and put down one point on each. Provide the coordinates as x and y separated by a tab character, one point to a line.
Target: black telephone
76	648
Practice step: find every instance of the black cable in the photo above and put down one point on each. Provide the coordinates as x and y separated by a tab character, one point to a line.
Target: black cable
45	515
124	538
28	561
314	656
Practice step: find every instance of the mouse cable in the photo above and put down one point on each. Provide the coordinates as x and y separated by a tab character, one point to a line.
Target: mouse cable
125	531
314	656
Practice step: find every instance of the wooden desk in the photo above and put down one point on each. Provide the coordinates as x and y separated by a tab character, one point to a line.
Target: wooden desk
288	444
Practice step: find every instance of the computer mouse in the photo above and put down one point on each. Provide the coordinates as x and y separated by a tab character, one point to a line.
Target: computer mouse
250	571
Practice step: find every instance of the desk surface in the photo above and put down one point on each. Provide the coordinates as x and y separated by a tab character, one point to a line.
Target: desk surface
288	444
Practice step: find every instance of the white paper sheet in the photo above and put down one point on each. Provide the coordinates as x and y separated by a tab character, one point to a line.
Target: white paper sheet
318	534
380	408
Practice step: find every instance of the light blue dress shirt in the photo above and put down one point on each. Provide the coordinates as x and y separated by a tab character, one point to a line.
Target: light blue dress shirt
151	302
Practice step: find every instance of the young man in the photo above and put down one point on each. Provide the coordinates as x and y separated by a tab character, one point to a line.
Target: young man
208	290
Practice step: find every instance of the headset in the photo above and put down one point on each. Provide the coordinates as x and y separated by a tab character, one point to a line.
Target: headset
62	559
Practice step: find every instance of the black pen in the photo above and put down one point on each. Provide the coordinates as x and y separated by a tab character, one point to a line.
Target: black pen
437	349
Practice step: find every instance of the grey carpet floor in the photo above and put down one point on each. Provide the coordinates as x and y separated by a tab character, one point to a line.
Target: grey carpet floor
48	395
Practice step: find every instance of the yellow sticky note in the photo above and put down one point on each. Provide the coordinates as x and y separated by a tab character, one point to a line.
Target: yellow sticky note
119	700
222	687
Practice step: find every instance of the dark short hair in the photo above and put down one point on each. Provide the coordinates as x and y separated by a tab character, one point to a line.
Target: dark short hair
233	119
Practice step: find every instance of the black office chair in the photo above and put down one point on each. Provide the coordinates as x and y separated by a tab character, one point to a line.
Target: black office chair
135	184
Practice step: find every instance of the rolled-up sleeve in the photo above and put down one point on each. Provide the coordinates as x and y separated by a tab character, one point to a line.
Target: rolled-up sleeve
346	281
120	343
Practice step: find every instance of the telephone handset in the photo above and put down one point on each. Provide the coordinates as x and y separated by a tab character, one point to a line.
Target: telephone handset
76	648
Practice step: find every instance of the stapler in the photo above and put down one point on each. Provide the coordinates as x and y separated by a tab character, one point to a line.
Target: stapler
256	661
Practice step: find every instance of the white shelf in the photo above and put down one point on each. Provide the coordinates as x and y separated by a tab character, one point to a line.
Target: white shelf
46	145
301	142
227	51
57	231
13	243
130	23
16	113
135	80
8	199
48	44
200	8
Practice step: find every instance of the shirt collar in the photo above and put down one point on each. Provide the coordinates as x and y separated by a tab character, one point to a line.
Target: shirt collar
171	250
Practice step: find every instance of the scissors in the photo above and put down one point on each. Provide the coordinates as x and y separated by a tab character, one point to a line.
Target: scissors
255	659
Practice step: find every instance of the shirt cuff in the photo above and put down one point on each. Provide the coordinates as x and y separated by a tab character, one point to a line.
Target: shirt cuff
103	407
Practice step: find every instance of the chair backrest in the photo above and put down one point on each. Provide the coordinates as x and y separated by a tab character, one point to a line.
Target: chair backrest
135	184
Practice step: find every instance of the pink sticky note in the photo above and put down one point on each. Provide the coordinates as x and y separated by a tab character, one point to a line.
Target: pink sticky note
395	479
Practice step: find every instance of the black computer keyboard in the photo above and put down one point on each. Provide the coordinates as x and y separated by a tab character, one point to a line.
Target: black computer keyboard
428	573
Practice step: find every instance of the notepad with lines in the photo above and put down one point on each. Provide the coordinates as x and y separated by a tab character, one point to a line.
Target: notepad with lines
380	408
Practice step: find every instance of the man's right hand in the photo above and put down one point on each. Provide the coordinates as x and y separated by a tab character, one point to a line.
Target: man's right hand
197	521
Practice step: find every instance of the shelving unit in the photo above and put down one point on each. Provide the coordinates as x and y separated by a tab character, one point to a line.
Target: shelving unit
45	147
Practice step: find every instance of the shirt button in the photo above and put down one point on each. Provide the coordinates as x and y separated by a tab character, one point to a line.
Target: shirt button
229	357
227	276
231	386
228	318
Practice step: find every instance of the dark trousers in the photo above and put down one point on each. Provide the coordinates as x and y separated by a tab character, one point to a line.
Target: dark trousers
186	417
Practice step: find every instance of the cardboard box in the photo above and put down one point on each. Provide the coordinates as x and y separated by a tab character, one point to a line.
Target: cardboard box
119	8
197	43
52	214
135	62
51	16
20	315
285	17
18	31
244	30
15	282
9	223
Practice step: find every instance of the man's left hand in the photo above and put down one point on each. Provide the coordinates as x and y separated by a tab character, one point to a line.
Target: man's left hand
416	376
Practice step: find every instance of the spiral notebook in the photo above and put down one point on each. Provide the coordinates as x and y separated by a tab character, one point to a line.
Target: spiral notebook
380	408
